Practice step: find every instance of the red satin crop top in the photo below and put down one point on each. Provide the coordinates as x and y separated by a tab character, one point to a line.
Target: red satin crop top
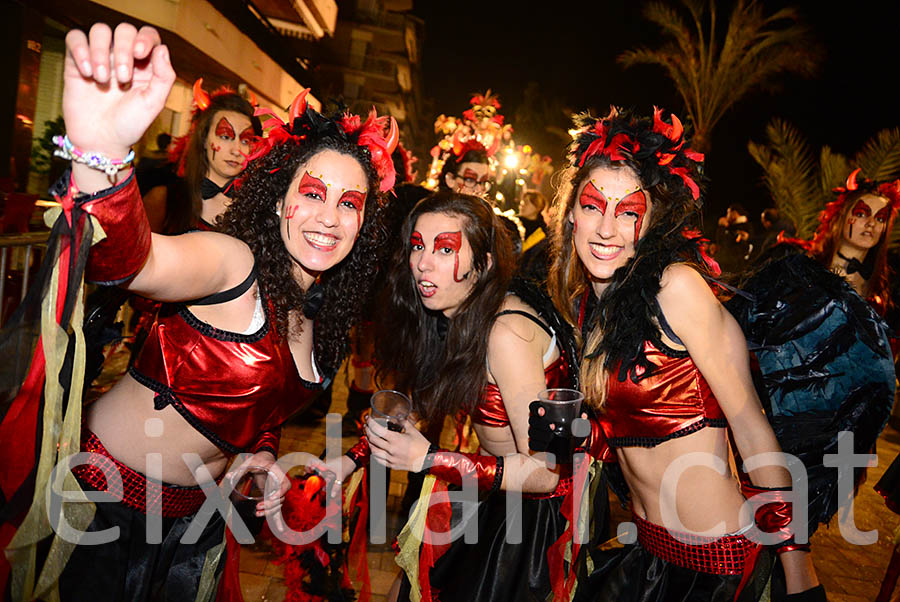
235	389
490	411
674	401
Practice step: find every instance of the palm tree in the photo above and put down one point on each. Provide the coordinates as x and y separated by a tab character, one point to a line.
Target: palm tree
711	75
800	185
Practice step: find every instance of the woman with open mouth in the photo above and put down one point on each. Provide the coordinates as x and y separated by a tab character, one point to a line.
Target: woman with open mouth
460	334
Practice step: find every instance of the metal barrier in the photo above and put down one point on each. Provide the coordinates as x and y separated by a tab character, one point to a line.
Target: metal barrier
18	250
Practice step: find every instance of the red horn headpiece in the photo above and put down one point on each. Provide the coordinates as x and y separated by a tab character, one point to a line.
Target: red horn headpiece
851	180
201	98
298	107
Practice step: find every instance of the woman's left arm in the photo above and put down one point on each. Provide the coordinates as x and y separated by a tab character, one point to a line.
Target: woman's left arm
515	358
718	348
514	354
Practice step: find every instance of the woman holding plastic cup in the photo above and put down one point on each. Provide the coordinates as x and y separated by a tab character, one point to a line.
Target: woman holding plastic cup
460	336
666	367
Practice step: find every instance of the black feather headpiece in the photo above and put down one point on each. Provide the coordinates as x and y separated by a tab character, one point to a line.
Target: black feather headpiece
657	148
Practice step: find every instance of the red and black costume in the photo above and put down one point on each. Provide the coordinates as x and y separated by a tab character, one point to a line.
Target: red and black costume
494	568
655	393
663	398
215	382
235	389
673	401
204	373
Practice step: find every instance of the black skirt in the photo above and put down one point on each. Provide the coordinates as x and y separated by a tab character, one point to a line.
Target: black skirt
129	569
633	574
495	570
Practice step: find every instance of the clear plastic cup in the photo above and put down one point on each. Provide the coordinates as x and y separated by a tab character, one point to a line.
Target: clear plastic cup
249	490
562	407
390	409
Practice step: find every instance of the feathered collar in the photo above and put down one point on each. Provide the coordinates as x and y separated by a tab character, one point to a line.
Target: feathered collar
627	311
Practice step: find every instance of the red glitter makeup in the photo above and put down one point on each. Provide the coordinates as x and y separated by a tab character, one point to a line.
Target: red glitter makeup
312	185
453	241
636	203
224	128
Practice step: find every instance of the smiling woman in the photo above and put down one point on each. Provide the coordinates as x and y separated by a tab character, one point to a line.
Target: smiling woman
665	367
282	285
611	213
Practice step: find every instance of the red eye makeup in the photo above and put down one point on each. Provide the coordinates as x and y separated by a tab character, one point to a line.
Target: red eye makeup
452	241
312	185
224	128
591	197
636	203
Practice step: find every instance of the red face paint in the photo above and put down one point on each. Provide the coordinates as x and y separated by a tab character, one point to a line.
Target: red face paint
469	173
224	129
452	241
214	148
861	209
883	215
248	136
591	197
289	216
635	203
415	240
357	200
310	185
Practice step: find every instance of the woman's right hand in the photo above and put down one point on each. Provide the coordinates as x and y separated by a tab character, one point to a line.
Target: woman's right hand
116	83
334	471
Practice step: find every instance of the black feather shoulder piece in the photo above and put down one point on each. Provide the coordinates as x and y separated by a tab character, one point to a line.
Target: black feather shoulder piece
627	312
535	296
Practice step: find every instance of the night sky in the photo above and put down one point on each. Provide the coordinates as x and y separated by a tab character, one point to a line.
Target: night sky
571	52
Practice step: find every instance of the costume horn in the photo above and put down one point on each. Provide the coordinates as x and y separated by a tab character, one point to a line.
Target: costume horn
298	107
393	137
201	98
851	179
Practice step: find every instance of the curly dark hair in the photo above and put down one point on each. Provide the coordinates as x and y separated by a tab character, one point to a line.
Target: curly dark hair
440	363
344	288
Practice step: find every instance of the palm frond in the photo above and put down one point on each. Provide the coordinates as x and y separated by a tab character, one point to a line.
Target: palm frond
671	24
711	77
789	174
833	171
880	156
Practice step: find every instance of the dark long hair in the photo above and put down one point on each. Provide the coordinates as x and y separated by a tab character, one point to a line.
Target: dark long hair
196	163
344	288
441	364
627	317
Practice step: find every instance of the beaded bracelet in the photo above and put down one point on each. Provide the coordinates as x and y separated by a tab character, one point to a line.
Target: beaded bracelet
69	151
